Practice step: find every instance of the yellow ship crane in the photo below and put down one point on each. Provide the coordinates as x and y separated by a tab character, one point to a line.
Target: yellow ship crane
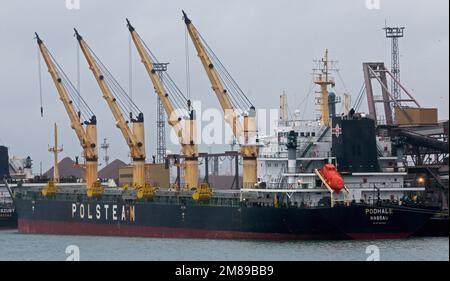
82	119
231	99
170	95
118	102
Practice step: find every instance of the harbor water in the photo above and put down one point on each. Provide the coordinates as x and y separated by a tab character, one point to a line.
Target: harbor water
18	247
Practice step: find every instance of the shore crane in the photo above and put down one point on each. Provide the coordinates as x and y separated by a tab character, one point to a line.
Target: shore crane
118	102
170	95
231	99
82	120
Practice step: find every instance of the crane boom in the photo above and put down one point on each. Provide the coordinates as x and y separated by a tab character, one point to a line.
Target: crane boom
242	132
87	136
186	136
230	114
135	136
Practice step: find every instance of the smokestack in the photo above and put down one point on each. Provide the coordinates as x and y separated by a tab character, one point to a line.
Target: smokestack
292	155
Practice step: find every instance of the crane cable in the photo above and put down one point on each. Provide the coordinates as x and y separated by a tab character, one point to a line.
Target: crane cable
239	99
343	85
40	81
307	98
78	78
119	93
82	107
342	80
240	94
130	71
231	86
304	101
176	96
188	74
360	97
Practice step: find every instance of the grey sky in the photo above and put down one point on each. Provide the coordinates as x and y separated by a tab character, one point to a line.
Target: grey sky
268	46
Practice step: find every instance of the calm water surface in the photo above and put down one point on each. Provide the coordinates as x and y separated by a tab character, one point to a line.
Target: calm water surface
15	246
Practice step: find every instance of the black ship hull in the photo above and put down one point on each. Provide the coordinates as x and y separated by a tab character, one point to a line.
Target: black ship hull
8	218
435	227
149	219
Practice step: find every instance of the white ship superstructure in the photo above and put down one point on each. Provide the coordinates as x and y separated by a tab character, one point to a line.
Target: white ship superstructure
295	174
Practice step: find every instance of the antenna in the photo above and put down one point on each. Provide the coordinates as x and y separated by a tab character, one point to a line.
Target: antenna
323	78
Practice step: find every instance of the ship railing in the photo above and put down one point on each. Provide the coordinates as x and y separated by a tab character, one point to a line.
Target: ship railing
275	155
277	185
318	155
375	185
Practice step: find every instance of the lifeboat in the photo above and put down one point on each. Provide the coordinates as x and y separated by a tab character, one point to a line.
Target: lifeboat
332	177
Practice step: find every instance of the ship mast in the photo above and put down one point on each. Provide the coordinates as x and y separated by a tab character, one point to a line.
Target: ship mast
55	150
323	79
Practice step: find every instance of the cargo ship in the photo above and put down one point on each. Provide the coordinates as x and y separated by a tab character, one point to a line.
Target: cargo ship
369	202
224	216
336	177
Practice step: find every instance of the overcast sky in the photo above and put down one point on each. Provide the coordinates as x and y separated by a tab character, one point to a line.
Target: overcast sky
268	46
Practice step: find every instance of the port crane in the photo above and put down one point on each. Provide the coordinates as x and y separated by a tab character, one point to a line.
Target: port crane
118	100
170	94
231	99
82	121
